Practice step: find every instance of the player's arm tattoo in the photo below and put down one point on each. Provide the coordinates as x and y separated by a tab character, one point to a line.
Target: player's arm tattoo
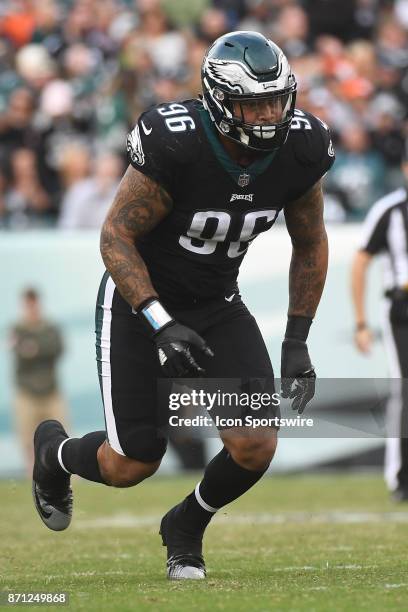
139	205
308	267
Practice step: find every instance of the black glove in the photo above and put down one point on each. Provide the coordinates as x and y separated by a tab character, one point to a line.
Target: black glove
173	346
297	372
173	340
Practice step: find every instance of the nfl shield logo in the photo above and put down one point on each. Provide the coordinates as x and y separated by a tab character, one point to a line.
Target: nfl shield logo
243	180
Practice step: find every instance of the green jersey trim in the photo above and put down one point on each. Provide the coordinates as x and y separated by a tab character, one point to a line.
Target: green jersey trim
235	170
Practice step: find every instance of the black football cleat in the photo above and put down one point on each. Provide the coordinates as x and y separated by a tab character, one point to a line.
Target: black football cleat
184	552
52	493
400	495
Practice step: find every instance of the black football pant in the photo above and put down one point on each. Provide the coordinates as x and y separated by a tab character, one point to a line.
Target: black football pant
129	368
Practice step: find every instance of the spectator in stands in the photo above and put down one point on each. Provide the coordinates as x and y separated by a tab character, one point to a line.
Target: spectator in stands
3	183
392	43
48	27
62	123
260	16
292	31
166	46
358	171
213	23
233	9
87	202
74	163
197	49
362	57
37	346
401	12
16	129
18	23
35	66
84	70
27	203
386	115
335	17
80	22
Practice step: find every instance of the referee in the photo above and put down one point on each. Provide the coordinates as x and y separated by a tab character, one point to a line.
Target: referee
385	232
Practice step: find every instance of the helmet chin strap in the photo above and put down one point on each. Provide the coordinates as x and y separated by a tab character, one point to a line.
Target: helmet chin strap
244	138
204	101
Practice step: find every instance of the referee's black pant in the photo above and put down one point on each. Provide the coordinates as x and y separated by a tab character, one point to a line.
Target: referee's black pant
396	450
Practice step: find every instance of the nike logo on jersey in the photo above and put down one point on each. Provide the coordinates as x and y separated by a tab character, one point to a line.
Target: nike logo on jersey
230	298
146	131
242	196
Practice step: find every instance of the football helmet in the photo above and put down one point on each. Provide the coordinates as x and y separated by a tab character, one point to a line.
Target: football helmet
249	90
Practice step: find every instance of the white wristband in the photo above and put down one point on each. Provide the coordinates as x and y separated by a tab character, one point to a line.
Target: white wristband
156	315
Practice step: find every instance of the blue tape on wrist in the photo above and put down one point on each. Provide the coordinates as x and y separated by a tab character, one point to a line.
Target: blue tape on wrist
156	315
155	324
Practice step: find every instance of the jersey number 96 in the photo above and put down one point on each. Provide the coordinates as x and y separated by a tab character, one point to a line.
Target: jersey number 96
254	223
174	119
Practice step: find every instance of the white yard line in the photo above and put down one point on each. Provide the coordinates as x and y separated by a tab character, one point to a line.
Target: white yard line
291	568
316	588
318	568
126	521
48	577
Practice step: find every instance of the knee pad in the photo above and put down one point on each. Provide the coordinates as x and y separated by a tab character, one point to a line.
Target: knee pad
143	443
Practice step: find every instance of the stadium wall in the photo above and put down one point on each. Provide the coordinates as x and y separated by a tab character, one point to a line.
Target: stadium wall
66	268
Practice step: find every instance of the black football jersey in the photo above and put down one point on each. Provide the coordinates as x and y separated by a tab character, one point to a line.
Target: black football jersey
218	207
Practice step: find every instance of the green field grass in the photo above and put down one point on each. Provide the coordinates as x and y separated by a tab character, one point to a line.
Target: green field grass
313	543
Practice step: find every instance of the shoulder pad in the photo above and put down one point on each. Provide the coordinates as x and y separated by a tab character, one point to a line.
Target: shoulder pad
310	138
171	126
164	139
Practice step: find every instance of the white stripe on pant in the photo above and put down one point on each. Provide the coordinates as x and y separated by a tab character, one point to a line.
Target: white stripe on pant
106	367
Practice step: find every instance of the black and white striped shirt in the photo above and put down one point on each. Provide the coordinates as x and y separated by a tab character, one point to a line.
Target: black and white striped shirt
385	231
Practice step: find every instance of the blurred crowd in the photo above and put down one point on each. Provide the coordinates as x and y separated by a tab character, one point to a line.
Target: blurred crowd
75	75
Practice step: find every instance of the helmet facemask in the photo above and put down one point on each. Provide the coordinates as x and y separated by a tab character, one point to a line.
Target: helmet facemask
261	120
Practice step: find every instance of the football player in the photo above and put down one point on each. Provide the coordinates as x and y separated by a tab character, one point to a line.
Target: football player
205	177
